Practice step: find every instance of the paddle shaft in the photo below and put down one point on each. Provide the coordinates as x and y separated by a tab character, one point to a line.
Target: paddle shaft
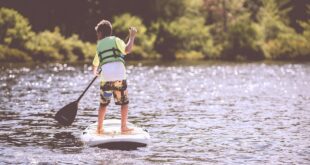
87	87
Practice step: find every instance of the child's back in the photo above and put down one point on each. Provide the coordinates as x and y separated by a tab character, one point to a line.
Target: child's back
109	56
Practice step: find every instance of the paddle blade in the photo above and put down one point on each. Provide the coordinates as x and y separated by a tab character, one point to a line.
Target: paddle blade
66	115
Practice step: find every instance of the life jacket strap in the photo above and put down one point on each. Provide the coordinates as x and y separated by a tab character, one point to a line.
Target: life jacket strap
114	50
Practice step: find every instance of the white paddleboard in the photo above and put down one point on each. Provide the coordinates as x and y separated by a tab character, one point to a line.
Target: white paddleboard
112	137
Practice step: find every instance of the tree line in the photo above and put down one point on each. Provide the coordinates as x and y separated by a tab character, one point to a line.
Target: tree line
168	29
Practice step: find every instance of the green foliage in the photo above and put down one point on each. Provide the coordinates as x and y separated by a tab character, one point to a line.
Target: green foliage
184	35
306	29
253	7
17	41
283	9
288	46
306	25
223	11
279	41
193	8
48	46
144	41
241	41
270	21
15	30
189	55
171	9
52	46
174	29
82	50
11	54
233	32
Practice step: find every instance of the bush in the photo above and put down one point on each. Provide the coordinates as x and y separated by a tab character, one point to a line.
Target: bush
52	46
82	50
13	55
18	40
189	55
15	30
48	46
143	47
306	29
288	46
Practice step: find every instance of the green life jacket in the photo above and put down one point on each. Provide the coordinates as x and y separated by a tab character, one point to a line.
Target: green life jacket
108	51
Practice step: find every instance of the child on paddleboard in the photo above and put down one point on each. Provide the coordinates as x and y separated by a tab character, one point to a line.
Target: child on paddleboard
108	58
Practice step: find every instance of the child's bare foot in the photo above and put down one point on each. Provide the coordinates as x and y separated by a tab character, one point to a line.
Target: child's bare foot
100	131
126	129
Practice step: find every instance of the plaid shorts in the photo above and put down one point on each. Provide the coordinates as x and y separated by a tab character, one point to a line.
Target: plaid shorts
116	88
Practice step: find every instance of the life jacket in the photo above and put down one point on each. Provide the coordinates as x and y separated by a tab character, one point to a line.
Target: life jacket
108	51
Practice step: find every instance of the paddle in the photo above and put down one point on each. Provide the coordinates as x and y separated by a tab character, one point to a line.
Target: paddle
66	115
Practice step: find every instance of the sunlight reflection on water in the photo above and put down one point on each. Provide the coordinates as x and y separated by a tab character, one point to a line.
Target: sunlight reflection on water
218	113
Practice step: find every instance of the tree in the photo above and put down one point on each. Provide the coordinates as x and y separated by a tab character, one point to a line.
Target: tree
183	36
299	12
242	41
144	41
223	11
279	41
15	30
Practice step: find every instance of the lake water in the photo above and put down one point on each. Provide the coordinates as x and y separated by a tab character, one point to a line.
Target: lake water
201	113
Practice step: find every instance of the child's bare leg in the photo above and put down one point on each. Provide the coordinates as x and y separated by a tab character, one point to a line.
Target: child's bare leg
124	115
101	115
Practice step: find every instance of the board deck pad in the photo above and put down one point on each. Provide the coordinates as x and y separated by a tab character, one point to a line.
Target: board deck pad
112	131
113	137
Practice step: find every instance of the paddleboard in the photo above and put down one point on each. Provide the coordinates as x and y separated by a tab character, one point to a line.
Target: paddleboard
113	138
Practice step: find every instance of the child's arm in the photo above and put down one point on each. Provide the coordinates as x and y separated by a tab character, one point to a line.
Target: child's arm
132	35
95	65
95	70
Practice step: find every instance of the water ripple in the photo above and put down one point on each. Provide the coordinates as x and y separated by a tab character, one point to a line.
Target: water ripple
209	113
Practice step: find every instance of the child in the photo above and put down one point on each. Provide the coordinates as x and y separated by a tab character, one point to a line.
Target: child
113	73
